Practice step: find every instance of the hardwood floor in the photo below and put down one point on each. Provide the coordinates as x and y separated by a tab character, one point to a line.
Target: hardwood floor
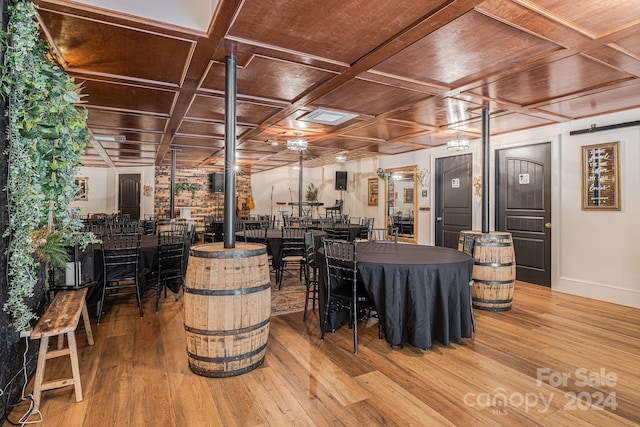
583	352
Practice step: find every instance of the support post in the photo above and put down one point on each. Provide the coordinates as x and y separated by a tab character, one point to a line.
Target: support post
300	186
230	153
172	187
485	169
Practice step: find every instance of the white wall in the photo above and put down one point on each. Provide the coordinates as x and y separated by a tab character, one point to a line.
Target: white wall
284	184
103	189
594	254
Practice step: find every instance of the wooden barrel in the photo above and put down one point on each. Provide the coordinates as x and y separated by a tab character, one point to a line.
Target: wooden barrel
494	268
227	307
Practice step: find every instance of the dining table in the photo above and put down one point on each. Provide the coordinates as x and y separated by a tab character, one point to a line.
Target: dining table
354	231
274	243
147	265
421	293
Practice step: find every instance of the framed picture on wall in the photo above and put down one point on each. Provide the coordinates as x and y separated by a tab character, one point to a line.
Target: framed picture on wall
83	189
372	191
601	177
408	195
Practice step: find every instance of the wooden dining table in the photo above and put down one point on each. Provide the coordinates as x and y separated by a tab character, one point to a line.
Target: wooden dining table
422	293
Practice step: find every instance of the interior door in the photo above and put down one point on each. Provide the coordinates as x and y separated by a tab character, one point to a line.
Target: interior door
129	195
453	180
523	208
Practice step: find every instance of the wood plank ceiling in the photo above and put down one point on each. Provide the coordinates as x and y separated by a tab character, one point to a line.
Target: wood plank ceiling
414	72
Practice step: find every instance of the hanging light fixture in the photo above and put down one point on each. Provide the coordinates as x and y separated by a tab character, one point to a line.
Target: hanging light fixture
458	144
298	143
341	158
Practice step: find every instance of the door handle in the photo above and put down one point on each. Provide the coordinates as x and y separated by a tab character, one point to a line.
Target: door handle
439	218
547	225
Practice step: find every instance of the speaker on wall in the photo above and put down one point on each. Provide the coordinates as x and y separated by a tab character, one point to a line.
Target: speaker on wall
218	182
341	180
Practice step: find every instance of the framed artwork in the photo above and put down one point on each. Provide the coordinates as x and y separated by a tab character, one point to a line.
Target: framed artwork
372	191
83	189
408	195
601	177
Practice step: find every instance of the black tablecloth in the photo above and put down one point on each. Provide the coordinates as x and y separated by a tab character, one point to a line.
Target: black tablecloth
274	243
355	230
421	292
148	263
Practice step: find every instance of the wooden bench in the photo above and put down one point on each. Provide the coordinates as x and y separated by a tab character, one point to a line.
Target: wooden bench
61	317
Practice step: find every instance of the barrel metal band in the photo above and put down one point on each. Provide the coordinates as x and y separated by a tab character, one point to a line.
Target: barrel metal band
494	264
493	301
224	374
240	253
494	282
228	358
226	332
227	292
494	244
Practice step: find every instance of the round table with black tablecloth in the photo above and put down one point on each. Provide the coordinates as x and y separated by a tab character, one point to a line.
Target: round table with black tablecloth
421	292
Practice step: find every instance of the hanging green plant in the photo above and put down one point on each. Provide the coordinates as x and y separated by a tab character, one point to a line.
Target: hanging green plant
188	186
47	136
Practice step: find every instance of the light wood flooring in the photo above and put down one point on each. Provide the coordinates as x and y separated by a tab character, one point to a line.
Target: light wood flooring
584	353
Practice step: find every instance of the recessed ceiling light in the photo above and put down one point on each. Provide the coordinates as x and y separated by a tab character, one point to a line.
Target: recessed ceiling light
327	117
274	143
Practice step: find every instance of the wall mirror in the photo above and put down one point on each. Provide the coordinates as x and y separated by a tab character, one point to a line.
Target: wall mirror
401	196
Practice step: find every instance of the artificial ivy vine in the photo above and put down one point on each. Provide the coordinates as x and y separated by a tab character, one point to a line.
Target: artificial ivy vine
47	136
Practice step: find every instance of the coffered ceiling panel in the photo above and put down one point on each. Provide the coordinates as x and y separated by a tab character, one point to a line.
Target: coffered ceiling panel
267	78
339	30
462	51
99	48
127	98
414	72
105	119
383	130
361	96
597	17
212	108
621	98
556	79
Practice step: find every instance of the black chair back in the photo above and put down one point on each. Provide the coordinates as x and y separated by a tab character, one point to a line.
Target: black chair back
170	262
120	261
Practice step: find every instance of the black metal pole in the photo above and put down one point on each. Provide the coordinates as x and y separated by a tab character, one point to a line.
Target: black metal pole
485	169
300	186
172	187
230	153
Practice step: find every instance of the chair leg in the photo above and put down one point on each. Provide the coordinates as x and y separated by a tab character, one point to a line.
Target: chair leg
101	304
138	298
355	327
158	291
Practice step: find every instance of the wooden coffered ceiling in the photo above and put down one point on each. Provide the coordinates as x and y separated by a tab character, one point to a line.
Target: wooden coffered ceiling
413	71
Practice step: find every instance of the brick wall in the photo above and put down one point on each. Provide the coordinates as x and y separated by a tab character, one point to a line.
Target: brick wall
205	201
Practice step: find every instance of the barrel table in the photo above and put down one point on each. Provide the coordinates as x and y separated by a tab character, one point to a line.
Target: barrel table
227	307
494	268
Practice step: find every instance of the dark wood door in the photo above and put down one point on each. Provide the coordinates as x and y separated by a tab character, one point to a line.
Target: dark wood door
523	208
453	180
129	195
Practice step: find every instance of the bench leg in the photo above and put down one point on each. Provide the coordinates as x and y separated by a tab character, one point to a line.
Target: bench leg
87	323
37	386
75	368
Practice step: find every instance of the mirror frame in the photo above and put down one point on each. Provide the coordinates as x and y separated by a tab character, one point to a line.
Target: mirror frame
414	170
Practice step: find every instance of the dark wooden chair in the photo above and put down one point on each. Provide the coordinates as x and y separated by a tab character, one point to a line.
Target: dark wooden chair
342	290
170	263
120	261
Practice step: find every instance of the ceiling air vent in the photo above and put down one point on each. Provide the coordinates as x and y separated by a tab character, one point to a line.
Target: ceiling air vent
326	117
